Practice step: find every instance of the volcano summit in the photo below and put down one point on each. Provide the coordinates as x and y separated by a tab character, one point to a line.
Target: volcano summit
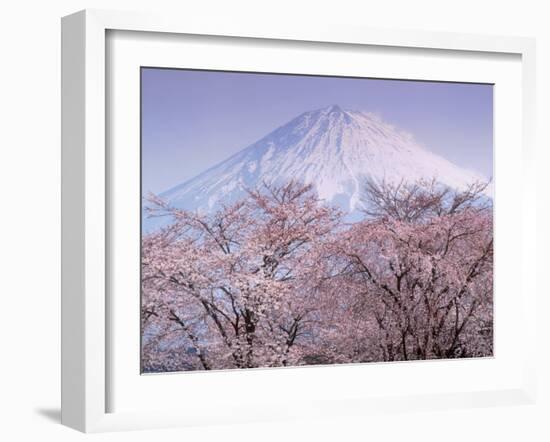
333	149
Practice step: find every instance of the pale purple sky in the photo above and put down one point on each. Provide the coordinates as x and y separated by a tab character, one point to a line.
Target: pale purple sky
192	120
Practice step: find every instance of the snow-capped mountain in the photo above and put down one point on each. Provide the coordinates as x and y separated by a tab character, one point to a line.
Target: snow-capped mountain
333	149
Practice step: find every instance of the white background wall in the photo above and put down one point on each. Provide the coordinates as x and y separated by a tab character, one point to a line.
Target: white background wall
29	214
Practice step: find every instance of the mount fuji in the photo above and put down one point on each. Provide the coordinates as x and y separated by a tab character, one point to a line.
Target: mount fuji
333	149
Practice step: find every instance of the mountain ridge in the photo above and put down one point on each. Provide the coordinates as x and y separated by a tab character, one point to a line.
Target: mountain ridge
333	149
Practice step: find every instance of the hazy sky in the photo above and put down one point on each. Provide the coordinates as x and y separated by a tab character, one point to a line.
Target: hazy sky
192	120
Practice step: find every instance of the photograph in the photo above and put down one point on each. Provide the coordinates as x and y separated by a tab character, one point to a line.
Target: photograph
301	220
276	220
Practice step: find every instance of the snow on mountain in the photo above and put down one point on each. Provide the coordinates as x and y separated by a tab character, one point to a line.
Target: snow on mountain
333	149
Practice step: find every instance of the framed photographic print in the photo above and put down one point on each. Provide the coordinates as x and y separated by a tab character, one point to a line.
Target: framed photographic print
250	213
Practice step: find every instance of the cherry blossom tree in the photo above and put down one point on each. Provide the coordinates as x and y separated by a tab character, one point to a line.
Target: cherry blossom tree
279	279
236	284
420	272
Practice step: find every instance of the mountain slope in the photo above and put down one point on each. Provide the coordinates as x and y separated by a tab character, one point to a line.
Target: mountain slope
333	149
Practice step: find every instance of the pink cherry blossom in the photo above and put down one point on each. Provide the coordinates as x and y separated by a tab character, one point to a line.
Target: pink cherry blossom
280	279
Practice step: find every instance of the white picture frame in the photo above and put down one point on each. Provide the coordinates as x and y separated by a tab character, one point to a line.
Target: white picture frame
86	202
